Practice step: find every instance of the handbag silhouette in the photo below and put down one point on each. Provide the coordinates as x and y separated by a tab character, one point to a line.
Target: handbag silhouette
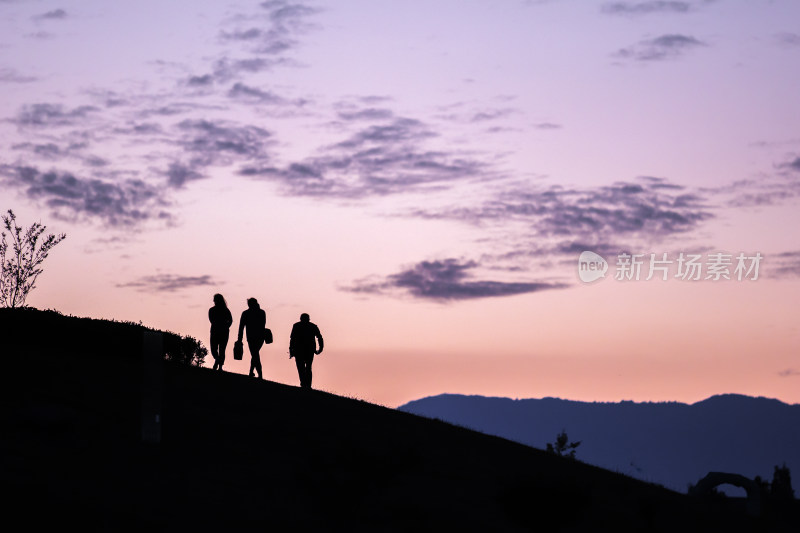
238	350
267	336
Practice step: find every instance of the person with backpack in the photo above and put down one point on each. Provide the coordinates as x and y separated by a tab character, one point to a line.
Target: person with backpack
221	320
303	347
254	319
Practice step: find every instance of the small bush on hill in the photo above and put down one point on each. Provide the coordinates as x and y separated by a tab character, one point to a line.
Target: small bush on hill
186	350
562	447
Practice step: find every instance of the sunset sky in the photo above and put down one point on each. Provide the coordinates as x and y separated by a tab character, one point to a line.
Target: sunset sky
421	178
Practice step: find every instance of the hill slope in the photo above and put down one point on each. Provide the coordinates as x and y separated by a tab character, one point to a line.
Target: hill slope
669	443
241	454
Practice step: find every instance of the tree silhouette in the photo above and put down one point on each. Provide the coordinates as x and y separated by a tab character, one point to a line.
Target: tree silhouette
562	447
20	270
763	485
781	488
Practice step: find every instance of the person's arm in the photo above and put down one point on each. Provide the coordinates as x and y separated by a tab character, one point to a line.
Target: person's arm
319	339
241	325
209	316
229	319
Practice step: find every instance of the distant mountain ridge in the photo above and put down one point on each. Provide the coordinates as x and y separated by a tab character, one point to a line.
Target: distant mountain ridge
670	443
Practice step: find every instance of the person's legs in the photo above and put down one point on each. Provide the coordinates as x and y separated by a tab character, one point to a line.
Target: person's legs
309	360
255	358
303	363
258	365
300	369
223	343
214	350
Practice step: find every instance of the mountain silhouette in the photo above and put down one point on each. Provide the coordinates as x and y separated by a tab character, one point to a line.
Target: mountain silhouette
669	443
241	454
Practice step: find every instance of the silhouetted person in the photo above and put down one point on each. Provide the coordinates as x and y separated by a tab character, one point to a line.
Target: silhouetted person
255	320
303	347
221	320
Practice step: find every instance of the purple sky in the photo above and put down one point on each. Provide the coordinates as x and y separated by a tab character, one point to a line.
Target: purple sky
421	178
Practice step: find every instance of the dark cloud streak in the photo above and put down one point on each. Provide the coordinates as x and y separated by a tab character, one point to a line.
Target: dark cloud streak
56	14
664	47
240	91
376	160
783	265
446	280
51	115
178	174
788	40
793	165
119	203
368	114
647	208
168	283
218	142
645	8
9	75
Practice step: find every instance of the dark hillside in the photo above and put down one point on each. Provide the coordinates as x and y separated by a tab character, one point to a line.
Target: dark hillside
240	454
